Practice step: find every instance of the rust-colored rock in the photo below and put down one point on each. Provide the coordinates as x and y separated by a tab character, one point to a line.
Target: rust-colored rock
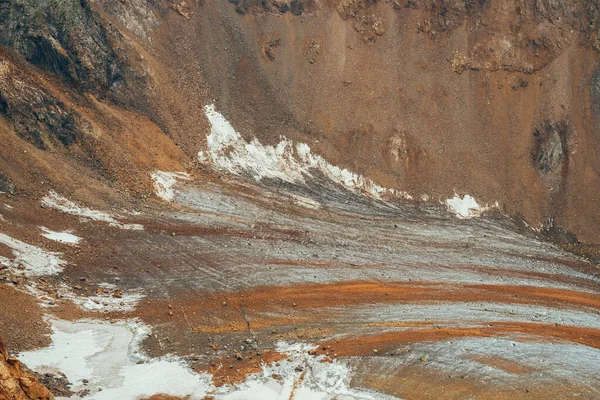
16	383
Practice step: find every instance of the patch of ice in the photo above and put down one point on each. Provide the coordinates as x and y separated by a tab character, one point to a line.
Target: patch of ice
58	202
164	182
228	151
107	355
63	237
35	261
465	207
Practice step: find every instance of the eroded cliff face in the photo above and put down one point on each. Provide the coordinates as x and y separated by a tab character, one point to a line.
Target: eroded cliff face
492	98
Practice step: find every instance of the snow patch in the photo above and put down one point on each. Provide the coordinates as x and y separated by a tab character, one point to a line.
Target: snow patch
466	207
107	355
63	237
58	202
35	261
8	207
164	182
228	151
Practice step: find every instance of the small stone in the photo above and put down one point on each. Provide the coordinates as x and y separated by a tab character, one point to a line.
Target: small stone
293	304
248	341
425	358
299	368
238	356
112	321
224	304
170	313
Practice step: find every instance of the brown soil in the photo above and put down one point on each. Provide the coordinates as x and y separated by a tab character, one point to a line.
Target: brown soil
22	321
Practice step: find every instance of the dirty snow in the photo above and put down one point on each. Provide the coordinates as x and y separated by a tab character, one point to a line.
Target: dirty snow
290	162
58	202
472	313
465	207
108	356
105	302
315	380
570	363
63	237
34	260
164	182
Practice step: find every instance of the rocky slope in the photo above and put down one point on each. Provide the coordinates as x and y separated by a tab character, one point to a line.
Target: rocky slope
420	99
492	98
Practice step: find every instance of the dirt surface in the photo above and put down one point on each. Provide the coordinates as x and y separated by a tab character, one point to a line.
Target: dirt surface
21	319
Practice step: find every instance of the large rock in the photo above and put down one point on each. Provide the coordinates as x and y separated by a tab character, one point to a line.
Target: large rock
16	383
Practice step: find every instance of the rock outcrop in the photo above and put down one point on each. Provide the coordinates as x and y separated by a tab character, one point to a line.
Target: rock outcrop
16	383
